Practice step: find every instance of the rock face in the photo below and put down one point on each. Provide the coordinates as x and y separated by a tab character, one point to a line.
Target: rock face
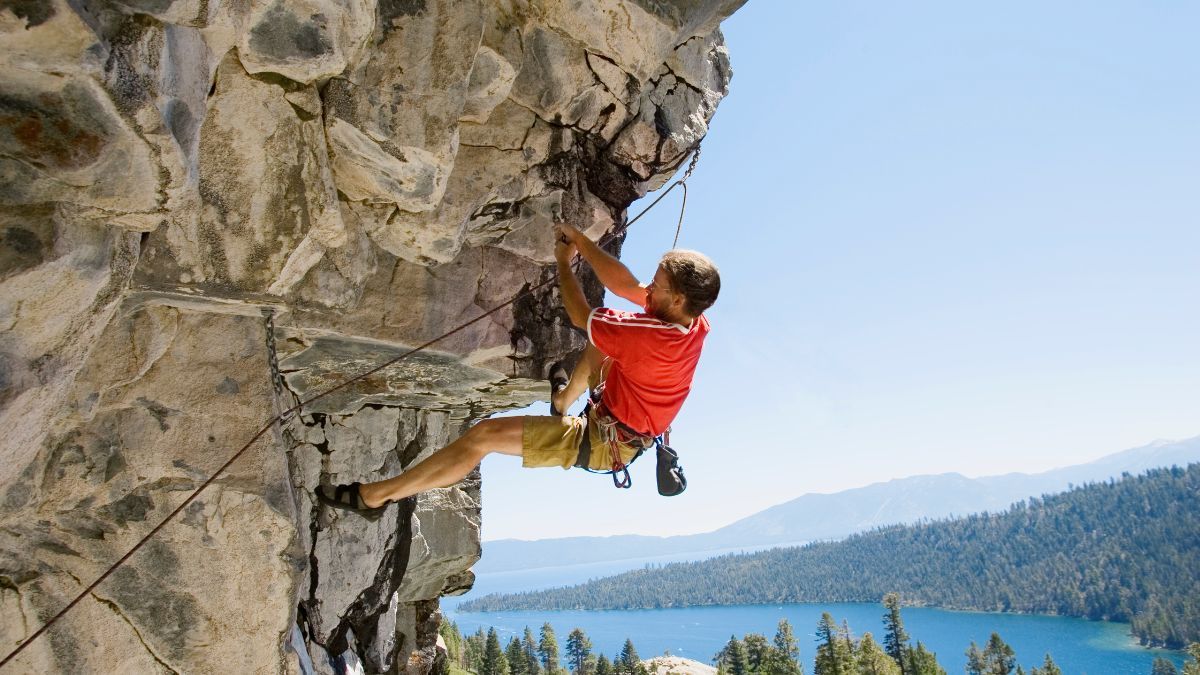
211	211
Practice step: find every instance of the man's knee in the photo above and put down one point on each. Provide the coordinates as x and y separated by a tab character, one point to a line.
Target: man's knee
501	435
485	436
591	356
475	440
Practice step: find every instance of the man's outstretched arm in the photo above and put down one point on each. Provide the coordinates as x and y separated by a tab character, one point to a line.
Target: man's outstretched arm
574	301
615	276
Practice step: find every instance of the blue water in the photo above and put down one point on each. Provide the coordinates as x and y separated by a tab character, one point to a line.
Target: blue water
1077	645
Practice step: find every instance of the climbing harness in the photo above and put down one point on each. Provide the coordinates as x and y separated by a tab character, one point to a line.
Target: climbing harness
614	434
277	385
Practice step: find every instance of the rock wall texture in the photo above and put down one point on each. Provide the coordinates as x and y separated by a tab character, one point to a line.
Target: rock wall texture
213	209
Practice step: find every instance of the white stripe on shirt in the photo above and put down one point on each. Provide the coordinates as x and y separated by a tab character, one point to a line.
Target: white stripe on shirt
642	322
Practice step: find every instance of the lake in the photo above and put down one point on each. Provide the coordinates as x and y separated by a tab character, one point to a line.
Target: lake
1077	645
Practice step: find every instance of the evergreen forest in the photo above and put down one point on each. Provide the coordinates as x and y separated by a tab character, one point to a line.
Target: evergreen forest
1123	550
837	652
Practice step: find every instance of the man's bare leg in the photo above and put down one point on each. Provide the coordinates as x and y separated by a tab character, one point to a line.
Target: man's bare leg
450	464
589	362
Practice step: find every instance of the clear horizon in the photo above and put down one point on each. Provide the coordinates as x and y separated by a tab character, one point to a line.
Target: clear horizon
952	239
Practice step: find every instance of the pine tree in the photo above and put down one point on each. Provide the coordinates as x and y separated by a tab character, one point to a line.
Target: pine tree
579	647
603	666
548	649
529	650
454	642
494	662
976	664
758	651
627	661
846	644
921	661
784	658
832	656
1049	667
732	657
473	648
998	656
515	657
826	661
895	639
871	659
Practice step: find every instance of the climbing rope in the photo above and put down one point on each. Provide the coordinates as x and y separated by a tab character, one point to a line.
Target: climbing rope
287	414
682	207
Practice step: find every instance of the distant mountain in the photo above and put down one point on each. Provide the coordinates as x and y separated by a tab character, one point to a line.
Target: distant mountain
815	517
1124	550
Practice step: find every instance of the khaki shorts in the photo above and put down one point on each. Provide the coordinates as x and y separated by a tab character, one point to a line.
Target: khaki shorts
555	441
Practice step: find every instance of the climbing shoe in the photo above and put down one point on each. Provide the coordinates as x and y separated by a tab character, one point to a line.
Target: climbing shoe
347	497
559	377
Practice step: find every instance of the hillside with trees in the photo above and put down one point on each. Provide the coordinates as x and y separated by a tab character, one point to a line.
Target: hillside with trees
837	515
1123	550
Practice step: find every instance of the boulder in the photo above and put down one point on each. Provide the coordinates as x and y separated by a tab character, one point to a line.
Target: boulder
677	665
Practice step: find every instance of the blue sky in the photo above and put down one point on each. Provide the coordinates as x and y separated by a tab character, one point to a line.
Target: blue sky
952	237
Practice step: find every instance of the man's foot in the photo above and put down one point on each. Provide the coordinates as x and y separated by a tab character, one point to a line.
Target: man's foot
559	377
347	497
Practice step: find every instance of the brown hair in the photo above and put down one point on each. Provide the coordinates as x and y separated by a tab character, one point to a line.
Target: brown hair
695	276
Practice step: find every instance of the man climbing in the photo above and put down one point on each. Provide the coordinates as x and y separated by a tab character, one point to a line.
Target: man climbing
639	366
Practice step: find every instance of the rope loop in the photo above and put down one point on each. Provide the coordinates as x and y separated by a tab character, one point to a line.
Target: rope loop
620	476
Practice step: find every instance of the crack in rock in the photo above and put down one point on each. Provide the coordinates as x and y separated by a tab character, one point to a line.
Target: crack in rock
7	584
117	610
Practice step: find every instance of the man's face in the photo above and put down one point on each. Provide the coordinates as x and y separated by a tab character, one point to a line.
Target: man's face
660	295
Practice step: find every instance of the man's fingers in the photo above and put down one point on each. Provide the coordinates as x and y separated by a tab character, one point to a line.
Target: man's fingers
563	248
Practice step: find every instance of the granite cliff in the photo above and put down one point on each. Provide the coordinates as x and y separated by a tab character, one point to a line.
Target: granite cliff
212	209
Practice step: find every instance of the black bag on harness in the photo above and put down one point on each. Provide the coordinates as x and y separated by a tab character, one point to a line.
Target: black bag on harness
671	480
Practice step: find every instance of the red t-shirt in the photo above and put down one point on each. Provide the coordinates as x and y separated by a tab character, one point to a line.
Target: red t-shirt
653	364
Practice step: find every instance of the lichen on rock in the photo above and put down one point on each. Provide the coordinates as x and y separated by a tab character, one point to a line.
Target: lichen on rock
211	211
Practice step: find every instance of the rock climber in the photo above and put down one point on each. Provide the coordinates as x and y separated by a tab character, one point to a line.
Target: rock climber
638	365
